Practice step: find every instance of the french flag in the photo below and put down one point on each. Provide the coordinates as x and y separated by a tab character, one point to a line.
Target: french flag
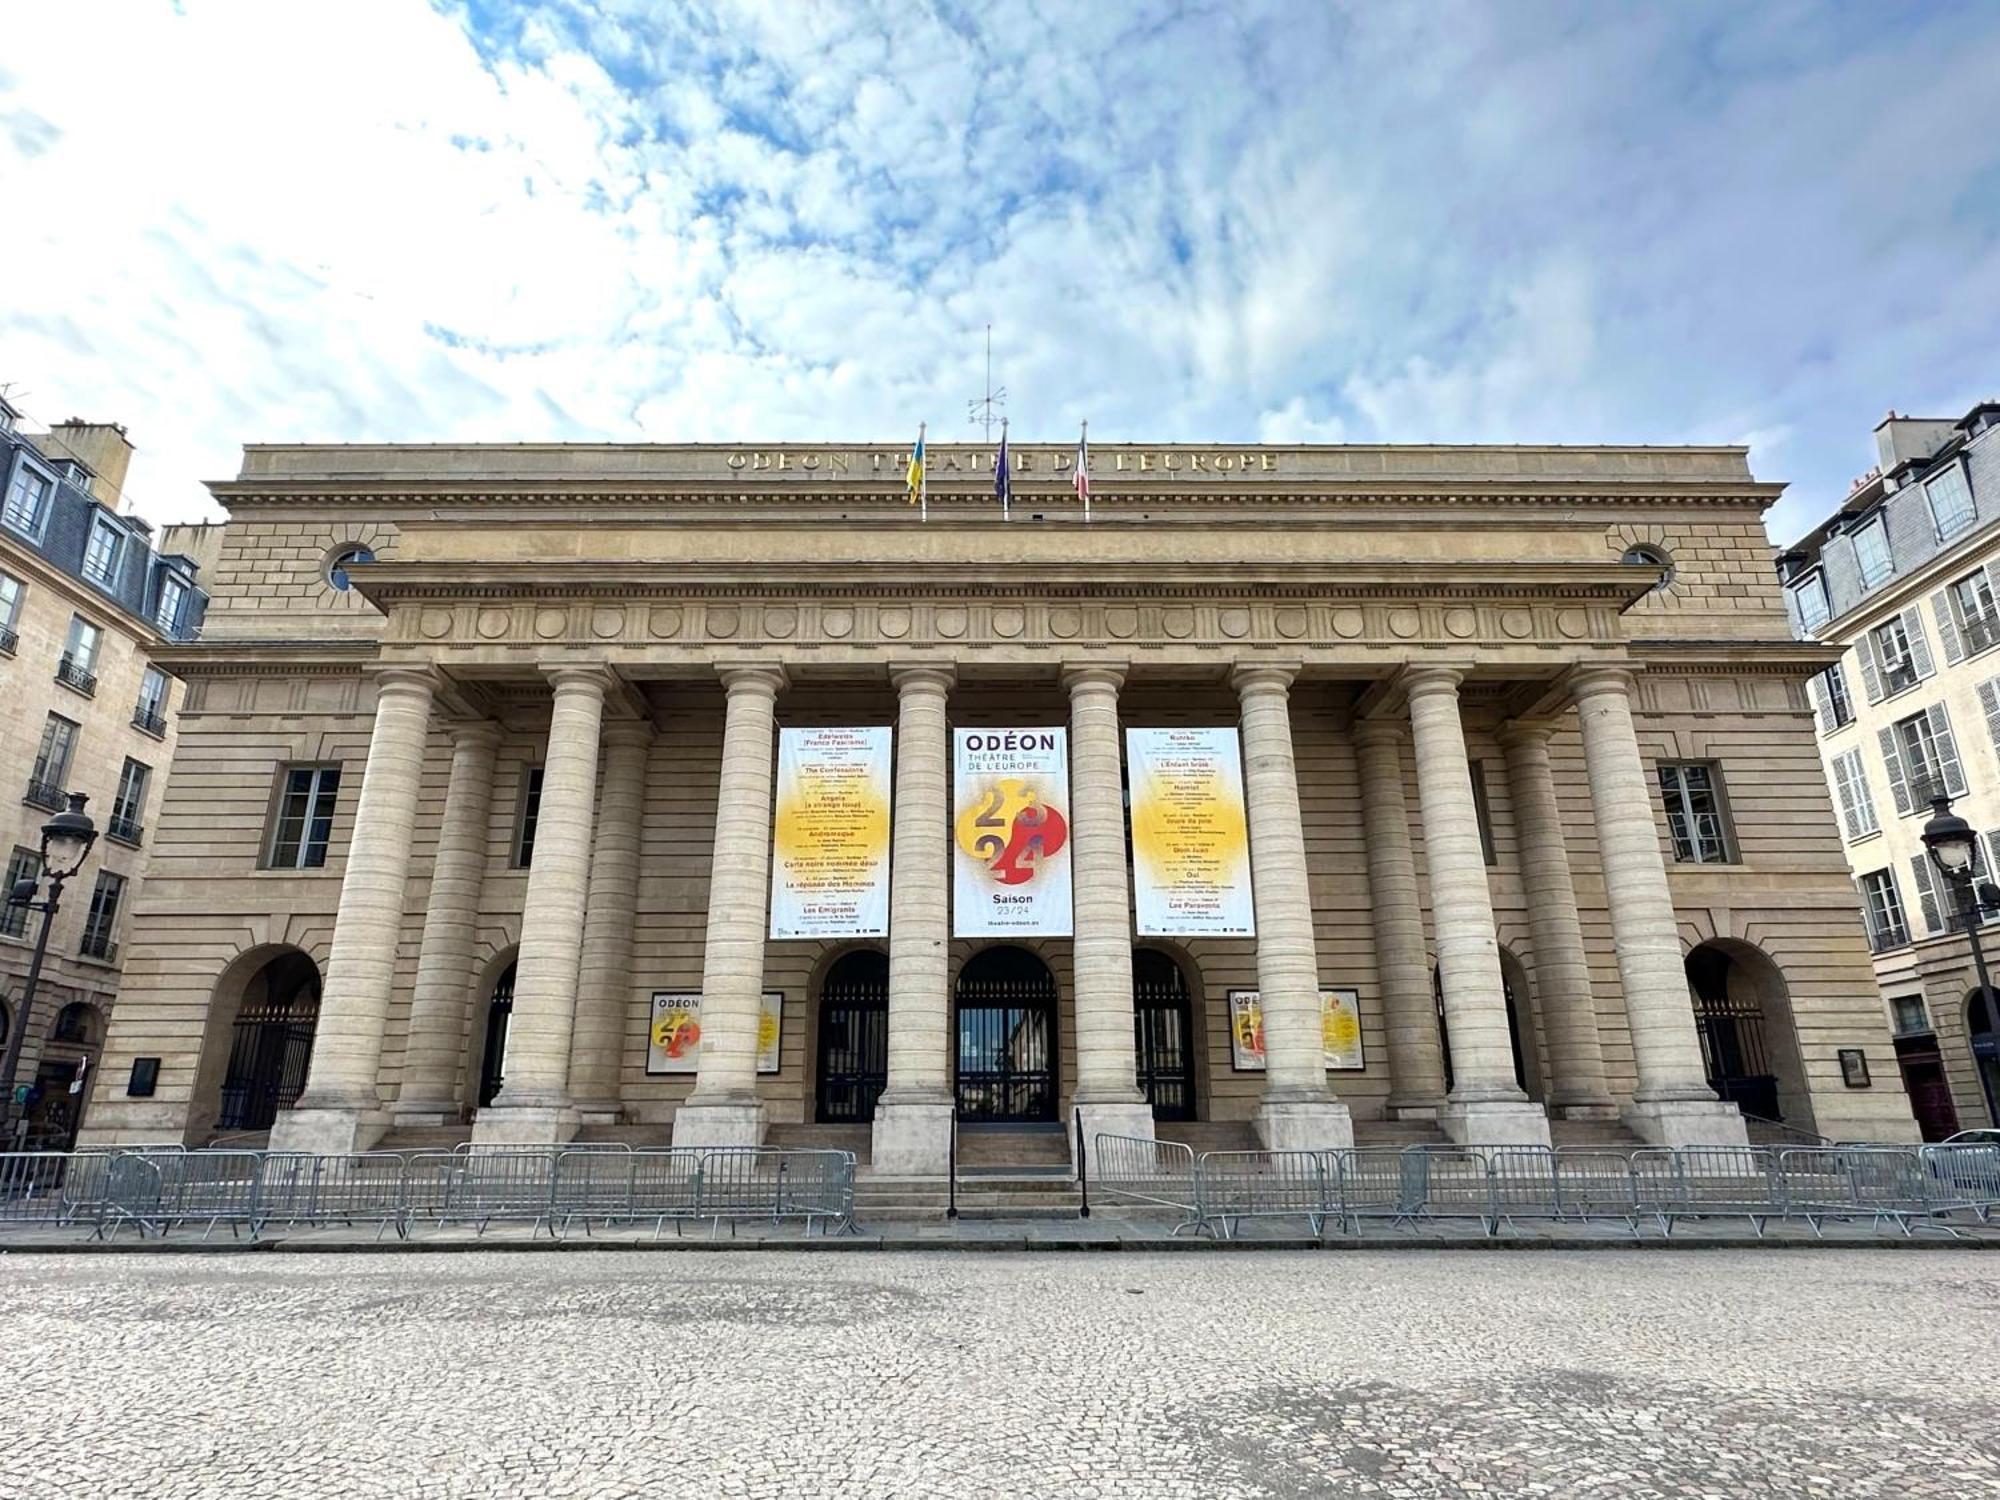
1081	477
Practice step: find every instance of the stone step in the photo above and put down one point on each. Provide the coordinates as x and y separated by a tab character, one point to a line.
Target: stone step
1001	1146
424	1138
1209	1135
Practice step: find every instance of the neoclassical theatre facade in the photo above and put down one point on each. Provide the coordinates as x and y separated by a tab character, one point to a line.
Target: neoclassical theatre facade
471	828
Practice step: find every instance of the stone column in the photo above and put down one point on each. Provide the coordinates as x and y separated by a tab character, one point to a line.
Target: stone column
604	977
913	1118
724	1109
1107	1063
436	1042
1486	1105
1416	1060
1673	1104
1562	974
1298	1112
341	1109
533	1106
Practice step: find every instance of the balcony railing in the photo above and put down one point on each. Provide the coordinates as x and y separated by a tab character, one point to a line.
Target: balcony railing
1882	939
1981	633
125	830
9	639
149	719
71	674
46	795
1900	676
98	945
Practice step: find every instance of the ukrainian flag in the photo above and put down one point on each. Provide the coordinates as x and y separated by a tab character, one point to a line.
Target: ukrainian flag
914	477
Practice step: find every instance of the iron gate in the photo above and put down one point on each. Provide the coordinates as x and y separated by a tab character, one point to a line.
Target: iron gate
268	1056
1164	1036
493	1062
1006	1037
1732	1037
853	1039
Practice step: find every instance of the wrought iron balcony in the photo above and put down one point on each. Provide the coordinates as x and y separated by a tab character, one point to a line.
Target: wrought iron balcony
1981	633
149	720
9	639
1883	939
46	795
125	830
71	674
98	945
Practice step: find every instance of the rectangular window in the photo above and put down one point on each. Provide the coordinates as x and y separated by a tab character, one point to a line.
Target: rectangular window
1909	1016
1857	807
10	612
1696	818
1977	617
304	823
1830	698
103	918
101	556
1951	503
80	648
1897	659
1886	927
128	809
23	864
1809	599
150	712
173	594
28	500
45	788
1871	551
1922	758
531	813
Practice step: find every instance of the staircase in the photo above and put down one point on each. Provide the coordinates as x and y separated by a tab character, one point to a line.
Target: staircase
424	1138
1594	1135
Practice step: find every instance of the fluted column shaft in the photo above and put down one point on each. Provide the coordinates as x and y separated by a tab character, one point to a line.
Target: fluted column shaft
1468	946
1416	1061
1106	1054
732	966
1665	1047
1287	959
545	972
436	1042
604	975
920	891
360	970
1562	973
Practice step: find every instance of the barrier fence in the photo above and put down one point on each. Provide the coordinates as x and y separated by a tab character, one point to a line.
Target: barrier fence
157	1191
1941	1187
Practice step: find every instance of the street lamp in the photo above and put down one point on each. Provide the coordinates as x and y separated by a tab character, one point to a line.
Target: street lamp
66	843
1953	847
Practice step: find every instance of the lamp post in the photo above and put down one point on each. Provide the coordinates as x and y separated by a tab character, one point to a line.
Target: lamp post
1953	846
66	843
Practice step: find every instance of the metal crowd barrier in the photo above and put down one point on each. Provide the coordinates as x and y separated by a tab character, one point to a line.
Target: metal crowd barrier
1148	1174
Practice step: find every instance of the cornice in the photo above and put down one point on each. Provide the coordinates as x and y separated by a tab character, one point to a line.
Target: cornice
283	658
1786	657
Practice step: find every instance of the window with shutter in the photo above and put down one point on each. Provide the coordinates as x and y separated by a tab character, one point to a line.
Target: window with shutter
1892	759
1947	628
1920	647
1833	687
1857	807
1946	748
1927	895
1871	670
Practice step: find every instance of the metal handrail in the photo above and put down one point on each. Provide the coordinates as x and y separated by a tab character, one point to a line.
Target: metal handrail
1082	1167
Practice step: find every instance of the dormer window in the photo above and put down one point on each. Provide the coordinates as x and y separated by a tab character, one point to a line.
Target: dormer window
105	552
27	507
75	473
173	597
1809	599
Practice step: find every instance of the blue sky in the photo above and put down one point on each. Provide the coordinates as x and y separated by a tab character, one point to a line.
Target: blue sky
235	221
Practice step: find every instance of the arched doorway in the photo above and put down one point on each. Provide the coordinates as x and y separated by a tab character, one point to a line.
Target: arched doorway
1163	1034
1006	1000
853	1038
270	1044
493	1060
1985	1053
1513	991
63	1076
1743	1018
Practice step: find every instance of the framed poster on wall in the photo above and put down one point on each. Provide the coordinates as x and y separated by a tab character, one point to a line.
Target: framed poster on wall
673	1033
1340	1030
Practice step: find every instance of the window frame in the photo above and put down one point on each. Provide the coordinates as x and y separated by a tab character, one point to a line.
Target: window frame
10	609
100	919
24	466
1816	579
102	525
1882	907
87	661
166	621
1839	702
1851	810
127	823
1974	622
1725	839
1953	471
338	560
47	742
1896	1026
314	790
1877	527
23	863
527	816
1890	688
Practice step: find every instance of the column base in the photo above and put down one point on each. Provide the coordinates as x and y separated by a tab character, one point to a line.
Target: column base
706	1126
327	1132
133	1122
1412	1109
600	1111
1584	1109
524	1125
911	1138
427	1114
1111	1117
1304	1125
1688	1122
1495	1123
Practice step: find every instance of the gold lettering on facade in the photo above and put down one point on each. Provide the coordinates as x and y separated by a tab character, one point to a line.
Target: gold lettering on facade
1224	462
809	461
1118	463
838	462
1145	463
1269	461
1195	462
736	460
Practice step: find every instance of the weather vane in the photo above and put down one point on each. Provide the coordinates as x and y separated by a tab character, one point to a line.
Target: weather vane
985	411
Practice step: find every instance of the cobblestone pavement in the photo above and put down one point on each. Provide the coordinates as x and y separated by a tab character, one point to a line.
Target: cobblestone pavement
1719	1373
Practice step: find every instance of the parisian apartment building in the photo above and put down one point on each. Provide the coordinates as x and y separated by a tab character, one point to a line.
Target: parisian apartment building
88	594
1904	577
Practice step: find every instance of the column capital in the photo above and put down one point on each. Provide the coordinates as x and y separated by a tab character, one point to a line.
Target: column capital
1419	680
406	677
1371	732
1525	732
480	733
634	732
1263	676
1088	674
1591	682
923	676
766	678
574	675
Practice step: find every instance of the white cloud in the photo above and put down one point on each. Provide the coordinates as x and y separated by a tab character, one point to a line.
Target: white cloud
576	220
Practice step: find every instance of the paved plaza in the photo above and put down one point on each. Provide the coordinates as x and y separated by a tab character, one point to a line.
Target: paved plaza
1712	1373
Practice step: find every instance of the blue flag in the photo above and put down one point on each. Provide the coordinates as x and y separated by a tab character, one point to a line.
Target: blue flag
1003	476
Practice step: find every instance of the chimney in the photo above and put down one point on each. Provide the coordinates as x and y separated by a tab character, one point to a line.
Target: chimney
101	445
1900	439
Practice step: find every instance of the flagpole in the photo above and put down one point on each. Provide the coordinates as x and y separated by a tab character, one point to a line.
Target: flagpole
1083	456
923	479
1007	479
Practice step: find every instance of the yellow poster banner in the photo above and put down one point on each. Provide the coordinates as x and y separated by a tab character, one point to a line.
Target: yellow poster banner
1339	1024
673	1036
830	834
1190	839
